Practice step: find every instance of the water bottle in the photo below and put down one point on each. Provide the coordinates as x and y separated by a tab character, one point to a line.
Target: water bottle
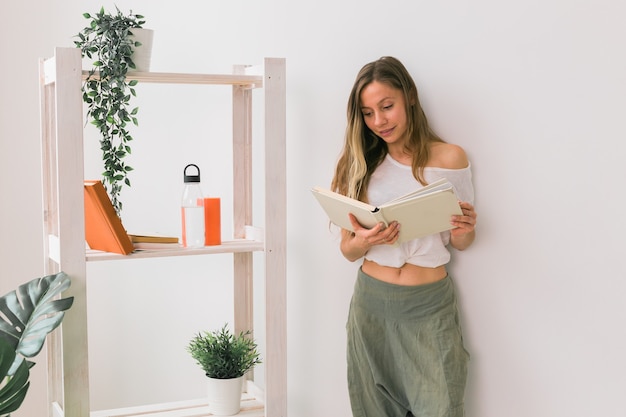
192	208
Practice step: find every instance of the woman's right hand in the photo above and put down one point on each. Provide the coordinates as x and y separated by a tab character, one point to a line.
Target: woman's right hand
355	245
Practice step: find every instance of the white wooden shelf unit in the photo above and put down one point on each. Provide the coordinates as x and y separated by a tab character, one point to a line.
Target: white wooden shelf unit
62	121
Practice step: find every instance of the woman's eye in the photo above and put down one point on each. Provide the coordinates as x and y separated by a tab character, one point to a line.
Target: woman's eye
388	107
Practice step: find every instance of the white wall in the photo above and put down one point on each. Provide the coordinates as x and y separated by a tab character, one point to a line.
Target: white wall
533	90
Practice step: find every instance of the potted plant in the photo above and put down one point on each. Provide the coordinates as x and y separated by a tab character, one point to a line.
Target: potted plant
225	358
111	40
27	315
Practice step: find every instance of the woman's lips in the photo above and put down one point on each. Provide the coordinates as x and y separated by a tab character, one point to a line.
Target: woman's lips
385	133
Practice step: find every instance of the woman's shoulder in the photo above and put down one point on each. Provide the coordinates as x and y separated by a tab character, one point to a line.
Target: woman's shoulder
448	156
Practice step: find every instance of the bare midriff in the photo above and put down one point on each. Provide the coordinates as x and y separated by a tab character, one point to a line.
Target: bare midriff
407	274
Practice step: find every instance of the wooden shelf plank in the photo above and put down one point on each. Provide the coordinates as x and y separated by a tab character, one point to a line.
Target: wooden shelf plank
229	246
252	81
232	246
250	407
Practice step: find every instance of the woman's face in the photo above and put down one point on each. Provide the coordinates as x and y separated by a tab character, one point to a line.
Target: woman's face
384	112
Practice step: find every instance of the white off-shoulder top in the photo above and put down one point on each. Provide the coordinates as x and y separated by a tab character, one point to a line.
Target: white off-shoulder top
392	179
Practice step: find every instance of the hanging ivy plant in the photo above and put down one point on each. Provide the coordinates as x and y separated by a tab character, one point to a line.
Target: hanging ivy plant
108	40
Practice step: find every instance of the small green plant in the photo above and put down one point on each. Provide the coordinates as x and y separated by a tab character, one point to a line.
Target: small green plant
108	39
222	354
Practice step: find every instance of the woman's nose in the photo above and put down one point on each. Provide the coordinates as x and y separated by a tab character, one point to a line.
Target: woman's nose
379	119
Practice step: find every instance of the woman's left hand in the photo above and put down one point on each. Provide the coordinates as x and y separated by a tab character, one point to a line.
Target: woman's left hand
464	223
463	234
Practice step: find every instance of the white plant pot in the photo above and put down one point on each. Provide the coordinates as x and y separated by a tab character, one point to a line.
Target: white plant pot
224	396
142	54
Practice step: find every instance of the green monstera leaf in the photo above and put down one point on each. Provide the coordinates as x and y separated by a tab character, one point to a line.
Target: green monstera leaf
29	313
12	388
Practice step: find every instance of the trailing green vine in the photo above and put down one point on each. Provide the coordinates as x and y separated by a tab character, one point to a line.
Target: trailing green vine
107	93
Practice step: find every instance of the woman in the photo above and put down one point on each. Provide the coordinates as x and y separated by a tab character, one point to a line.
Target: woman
405	349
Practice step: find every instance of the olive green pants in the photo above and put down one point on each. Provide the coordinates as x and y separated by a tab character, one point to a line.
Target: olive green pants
405	350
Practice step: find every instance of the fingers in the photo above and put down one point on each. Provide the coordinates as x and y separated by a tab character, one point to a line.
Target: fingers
384	235
393	233
467	221
355	223
381	235
377	235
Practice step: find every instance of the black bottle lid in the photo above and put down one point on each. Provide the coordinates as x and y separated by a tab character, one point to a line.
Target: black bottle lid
191	178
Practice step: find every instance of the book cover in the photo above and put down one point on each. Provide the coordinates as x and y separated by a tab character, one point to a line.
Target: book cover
103	228
420	213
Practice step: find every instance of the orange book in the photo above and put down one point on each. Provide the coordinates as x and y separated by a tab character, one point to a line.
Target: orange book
103	227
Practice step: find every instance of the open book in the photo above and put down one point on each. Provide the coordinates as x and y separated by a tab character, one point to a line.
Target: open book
420	213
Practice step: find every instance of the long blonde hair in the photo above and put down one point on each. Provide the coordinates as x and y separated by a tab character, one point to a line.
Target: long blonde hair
363	151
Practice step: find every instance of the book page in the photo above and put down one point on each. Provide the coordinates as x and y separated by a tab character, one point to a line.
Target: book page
442	184
428	214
